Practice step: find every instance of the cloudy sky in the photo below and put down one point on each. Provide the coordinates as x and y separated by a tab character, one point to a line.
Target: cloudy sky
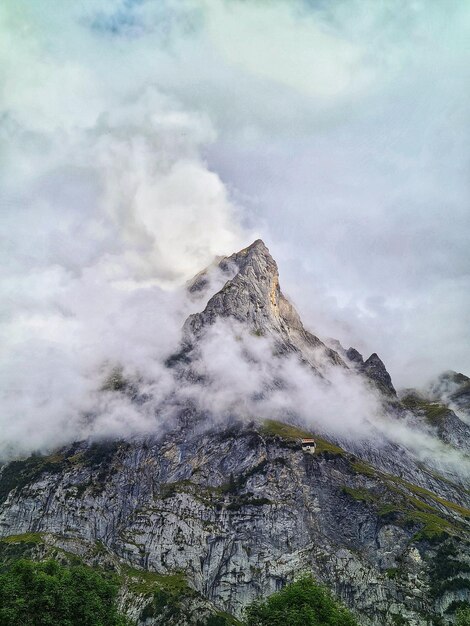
139	138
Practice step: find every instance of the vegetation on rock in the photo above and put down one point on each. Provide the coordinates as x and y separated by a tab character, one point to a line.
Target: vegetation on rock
49	594
289	432
463	617
302	603
434	412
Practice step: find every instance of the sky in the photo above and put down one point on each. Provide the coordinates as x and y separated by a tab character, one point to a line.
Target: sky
141	138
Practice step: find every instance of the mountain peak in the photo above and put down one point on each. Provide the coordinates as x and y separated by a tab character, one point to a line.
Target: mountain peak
375	369
252	296
256	255
258	246
355	356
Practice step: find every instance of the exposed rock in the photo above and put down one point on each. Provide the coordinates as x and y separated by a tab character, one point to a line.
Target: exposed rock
253	297
355	356
438	418
452	388
242	511
374	369
335	345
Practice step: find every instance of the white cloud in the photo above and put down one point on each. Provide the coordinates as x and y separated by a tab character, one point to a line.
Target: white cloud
107	204
129	129
276	42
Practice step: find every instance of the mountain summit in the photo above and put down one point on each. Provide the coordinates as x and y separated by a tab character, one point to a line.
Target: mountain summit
252	296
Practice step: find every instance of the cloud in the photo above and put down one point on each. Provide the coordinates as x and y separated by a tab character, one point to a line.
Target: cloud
257	38
141	139
236	375
109	207
363	195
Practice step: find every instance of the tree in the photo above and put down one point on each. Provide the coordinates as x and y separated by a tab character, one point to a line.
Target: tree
463	617
50	594
302	603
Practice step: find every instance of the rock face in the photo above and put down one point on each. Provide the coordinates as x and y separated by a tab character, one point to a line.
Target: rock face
452	388
253	297
355	356
239	510
374	369
439	418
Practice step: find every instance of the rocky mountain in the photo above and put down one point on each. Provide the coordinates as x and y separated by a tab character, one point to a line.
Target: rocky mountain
445	414
373	368
452	388
252	297
225	511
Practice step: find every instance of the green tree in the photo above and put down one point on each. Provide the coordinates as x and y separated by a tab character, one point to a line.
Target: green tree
463	617
302	603
217	620
50	594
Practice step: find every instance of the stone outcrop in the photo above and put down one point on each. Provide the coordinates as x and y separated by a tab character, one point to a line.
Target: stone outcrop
433	415
253	297
374	369
355	356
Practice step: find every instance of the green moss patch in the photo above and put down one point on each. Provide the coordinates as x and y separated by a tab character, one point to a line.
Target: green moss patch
33	538
292	433
361	495
145	582
421	492
325	446
361	467
166	593
434	412
274	428
409	504
434	526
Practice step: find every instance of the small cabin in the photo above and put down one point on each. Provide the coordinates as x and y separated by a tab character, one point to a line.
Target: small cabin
309	445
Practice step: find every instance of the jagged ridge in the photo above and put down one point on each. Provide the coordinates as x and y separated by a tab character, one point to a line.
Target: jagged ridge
253	297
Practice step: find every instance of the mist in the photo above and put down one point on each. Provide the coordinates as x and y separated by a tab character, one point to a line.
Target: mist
240	378
142	139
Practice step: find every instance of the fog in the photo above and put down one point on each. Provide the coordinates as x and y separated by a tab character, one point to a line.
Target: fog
142	139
